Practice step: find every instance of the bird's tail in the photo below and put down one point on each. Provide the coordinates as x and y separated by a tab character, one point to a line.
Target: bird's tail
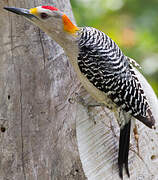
124	149
148	121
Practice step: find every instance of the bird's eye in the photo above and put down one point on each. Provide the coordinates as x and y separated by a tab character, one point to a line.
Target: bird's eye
44	15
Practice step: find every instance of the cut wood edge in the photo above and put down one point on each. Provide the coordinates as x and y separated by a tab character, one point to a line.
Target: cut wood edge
98	142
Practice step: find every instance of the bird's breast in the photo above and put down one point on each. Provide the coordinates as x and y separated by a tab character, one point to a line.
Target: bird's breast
98	95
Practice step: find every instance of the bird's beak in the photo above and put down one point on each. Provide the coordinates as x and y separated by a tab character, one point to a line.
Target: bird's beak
21	11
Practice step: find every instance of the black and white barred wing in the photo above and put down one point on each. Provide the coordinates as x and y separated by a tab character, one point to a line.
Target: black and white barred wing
109	70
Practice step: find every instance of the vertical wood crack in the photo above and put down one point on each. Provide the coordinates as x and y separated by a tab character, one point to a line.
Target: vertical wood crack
21	118
43	53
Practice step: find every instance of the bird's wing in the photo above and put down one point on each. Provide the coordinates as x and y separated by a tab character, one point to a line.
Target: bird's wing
109	70
134	63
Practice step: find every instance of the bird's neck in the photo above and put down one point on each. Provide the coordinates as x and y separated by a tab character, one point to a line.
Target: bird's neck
67	40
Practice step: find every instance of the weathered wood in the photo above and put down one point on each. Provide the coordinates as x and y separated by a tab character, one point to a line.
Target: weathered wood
98	142
36	81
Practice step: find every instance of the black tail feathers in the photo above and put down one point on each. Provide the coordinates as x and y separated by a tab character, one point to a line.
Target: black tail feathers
124	149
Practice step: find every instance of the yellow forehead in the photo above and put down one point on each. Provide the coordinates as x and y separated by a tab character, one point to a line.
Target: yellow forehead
33	11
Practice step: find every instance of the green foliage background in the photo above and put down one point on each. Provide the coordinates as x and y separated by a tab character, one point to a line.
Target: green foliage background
132	24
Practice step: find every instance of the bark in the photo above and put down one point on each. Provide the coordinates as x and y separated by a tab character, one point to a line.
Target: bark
36	81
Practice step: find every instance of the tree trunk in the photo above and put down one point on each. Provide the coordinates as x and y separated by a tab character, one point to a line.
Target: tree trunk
42	135
36	81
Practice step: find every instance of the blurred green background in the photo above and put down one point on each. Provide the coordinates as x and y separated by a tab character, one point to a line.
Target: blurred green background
132	24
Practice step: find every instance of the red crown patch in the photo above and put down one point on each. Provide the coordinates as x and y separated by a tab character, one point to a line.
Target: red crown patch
50	8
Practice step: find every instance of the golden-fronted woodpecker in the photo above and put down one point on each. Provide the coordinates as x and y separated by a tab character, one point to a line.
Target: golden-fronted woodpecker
105	72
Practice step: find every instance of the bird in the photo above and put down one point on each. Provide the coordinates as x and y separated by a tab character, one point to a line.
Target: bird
103	69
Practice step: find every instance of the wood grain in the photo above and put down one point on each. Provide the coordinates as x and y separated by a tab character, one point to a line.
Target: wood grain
36	81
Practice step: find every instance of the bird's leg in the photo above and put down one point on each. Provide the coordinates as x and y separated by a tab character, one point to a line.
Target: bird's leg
95	105
79	99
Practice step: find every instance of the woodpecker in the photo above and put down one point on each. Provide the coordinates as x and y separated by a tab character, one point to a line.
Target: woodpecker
105	72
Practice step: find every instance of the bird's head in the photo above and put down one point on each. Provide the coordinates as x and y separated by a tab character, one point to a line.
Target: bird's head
48	18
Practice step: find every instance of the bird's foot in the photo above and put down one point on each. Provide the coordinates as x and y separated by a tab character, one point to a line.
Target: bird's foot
79	99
